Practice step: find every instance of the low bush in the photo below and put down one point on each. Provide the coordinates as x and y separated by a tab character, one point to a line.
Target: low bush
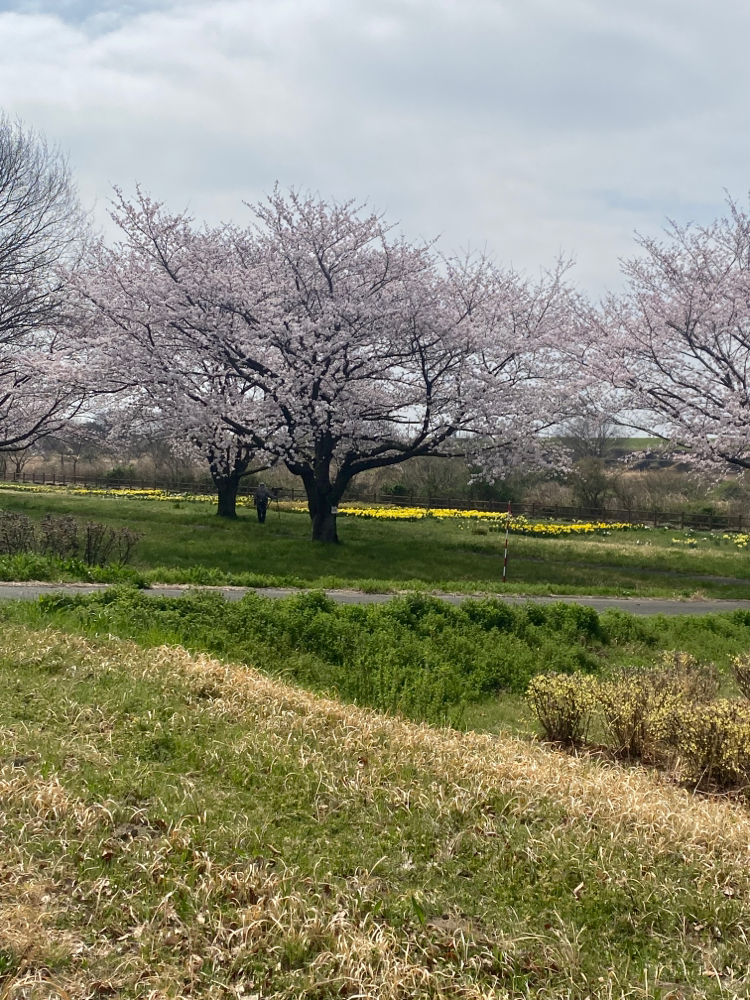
102	543
714	742
57	537
683	675
668	714
563	705
637	705
630	706
417	655
16	533
741	671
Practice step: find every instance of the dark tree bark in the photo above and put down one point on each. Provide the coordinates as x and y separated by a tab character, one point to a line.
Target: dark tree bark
325	484
228	466
324	527
226	489
322	497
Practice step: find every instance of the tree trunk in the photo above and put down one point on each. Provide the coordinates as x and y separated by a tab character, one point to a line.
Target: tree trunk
227	491
322	499
324	525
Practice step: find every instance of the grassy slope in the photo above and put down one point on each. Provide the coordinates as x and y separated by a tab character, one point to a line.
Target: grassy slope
189	544
432	661
177	827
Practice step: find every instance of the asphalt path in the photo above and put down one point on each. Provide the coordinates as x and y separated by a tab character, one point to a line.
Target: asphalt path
636	606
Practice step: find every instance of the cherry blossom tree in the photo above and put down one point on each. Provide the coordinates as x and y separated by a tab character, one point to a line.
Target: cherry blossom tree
42	228
676	345
350	348
192	418
181	400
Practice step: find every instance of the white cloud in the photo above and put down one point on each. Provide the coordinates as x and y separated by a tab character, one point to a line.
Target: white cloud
528	127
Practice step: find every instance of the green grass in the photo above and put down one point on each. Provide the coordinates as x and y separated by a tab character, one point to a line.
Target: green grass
185	827
417	655
187	543
175	828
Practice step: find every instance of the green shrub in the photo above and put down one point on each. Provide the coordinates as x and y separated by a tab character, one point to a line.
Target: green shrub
120	472
416	654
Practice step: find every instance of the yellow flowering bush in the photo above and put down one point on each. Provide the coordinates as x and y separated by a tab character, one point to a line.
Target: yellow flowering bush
714	741
668	714
563	705
740	539
638	707
630	706
695	681
741	670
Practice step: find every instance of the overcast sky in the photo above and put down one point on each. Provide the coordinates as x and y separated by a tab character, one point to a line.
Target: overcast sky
524	126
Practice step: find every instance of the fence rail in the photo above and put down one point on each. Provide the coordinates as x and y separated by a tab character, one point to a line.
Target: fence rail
557	512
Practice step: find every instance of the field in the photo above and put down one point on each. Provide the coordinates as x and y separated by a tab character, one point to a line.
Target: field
185	542
177	827
263	799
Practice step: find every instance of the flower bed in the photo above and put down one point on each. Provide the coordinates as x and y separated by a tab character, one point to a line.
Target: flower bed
123	493
494	521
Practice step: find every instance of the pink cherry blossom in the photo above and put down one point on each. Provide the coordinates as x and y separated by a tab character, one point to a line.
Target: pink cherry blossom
676	345
319	338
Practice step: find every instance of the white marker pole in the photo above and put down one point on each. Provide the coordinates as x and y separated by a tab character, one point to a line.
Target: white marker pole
505	558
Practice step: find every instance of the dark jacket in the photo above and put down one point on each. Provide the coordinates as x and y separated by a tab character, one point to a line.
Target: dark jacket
262	495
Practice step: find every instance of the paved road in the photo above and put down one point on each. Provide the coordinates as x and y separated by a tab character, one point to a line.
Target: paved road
636	606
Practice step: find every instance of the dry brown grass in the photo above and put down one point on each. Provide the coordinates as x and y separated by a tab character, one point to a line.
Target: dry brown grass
49	916
34	895
630	801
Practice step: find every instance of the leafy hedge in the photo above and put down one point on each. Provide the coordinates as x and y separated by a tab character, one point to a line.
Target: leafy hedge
415	654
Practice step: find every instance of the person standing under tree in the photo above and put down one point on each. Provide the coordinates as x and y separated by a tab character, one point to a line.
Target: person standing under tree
262	495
